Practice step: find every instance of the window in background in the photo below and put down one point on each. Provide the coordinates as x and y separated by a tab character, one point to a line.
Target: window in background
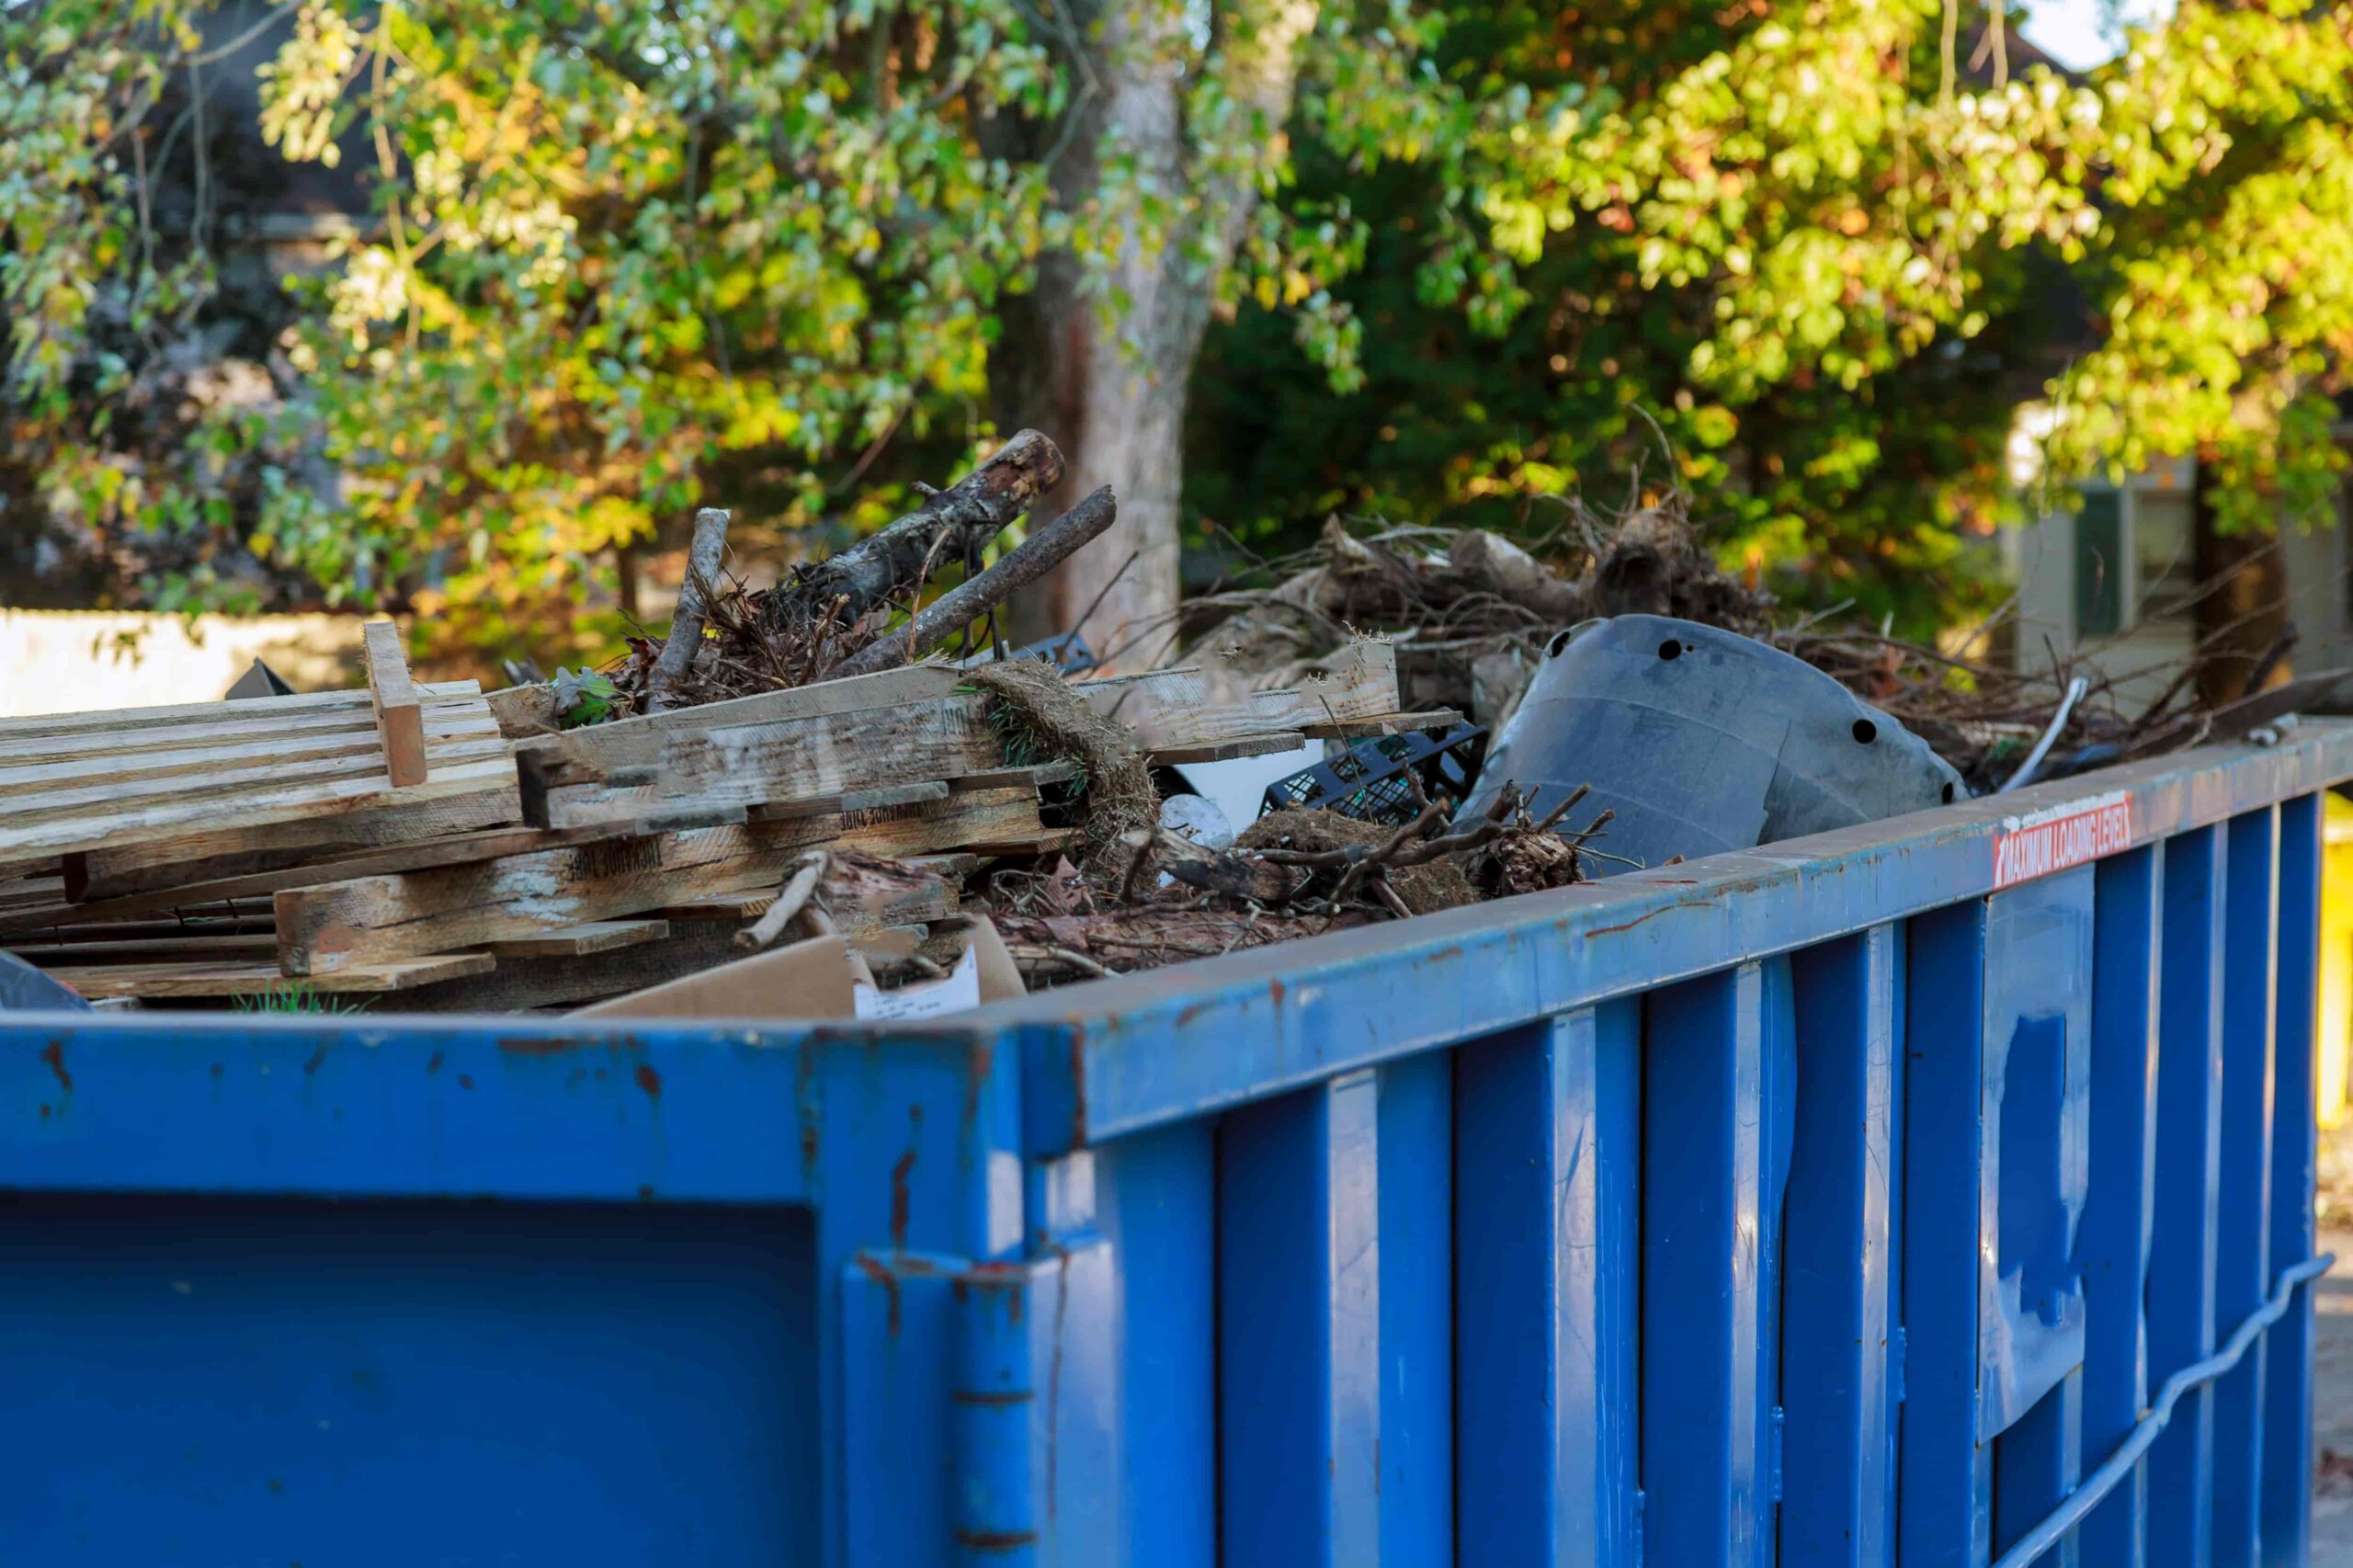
2164	554
2099	557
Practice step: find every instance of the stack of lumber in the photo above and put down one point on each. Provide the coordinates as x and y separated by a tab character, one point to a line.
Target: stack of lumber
864	740
387	844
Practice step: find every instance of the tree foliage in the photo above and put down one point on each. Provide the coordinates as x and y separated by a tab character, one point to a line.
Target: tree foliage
1802	258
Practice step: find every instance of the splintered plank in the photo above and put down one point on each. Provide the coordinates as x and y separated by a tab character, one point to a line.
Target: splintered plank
787	760
578	941
165	981
247	851
116	781
399	719
367	919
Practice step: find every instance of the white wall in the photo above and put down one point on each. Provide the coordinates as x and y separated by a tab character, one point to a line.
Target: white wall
73	661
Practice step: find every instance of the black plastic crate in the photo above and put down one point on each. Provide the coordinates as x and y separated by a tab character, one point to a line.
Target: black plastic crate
1373	780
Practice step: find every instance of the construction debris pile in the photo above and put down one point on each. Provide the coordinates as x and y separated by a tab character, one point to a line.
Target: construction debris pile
790	765
816	763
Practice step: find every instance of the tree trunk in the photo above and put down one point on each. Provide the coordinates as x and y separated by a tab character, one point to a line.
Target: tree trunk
1109	384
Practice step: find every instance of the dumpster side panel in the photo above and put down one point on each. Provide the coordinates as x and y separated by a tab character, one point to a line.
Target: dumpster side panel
1935	1193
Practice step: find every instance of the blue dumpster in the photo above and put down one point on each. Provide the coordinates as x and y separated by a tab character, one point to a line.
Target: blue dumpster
1932	1193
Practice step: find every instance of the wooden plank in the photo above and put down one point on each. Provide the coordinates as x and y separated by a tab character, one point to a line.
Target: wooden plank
224	949
118	720
1383	724
597	749
792	760
105	873
1182	709
169	981
572	981
110	776
155	790
1038	778
237	722
400	722
578	941
852	801
1226	751
257	887
369	919
262	923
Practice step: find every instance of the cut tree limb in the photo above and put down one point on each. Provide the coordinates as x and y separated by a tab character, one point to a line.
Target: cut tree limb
400	718
1046	548
678	650
951	525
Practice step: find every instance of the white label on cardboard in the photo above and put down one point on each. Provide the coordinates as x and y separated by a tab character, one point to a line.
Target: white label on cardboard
2072	834
959	991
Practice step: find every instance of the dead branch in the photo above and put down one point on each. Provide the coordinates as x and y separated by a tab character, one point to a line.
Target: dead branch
797	886
951	524
969	601
685	641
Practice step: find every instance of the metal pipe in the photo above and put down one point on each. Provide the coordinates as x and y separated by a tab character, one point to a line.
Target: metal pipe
2118	1465
2025	774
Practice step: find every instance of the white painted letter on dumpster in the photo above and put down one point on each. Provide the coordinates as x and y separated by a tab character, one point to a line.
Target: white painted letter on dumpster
2072	834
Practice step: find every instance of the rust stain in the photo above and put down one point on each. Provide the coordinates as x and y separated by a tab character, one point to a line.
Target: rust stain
650	1081
54	1055
899	1199
1077	1088
464	1081
976	1077
433	1062
1637	920
890	1283
44	1110
1277	991
992	1399
538	1047
645	1195
218	1069
1054	1374
318	1059
996	1541
1186	1015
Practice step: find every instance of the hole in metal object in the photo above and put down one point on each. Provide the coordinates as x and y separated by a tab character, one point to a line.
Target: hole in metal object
1670	649
1560	643
1947	794
1865	732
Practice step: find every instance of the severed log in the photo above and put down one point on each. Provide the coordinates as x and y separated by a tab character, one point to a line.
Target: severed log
678	651
1043	550
951	525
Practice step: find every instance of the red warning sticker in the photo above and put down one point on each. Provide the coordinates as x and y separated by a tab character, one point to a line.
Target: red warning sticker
2070	834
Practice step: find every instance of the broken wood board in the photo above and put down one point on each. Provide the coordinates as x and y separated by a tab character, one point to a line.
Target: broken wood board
1181	709
780	762
261	922
114	781
226	893
400	718
579	941
244	851
369	919
163	981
